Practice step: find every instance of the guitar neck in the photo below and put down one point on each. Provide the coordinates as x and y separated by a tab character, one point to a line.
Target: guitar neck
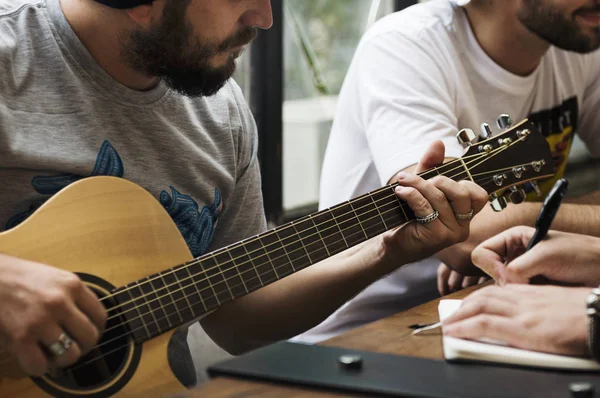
177	296
172	298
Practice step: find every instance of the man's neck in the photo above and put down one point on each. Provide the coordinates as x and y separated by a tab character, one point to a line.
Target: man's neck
98	28
504	38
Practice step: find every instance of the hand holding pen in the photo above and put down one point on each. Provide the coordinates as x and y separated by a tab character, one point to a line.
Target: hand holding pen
509	258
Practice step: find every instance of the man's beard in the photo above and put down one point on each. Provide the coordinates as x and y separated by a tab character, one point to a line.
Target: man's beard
171	52
558	29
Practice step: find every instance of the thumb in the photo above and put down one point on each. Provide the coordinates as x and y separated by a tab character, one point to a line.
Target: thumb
434	156
493	254
525	267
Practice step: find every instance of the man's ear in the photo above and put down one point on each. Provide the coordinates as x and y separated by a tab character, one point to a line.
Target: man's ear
145	15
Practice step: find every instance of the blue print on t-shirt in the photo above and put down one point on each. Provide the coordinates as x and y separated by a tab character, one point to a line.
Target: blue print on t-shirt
197	227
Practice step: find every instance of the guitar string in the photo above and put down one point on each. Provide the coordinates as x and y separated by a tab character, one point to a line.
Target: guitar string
337	226
263	248
297	249
211	286
229	288
98	357
158	298
266	252
393	201
272	232
118	348
152	311
174	313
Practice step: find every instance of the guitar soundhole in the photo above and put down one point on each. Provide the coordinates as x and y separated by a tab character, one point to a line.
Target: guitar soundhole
106	369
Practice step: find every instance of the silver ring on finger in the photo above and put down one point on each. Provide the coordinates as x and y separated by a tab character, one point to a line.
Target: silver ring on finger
428	219
61	346
465	216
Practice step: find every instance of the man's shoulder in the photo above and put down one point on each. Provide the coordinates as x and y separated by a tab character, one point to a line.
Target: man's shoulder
435	18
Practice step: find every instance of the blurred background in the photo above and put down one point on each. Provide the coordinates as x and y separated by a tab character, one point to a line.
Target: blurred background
291	76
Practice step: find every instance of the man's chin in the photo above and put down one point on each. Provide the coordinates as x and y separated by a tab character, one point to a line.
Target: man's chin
199	83
224	61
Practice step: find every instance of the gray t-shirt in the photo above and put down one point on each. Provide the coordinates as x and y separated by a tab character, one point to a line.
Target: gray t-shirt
63	118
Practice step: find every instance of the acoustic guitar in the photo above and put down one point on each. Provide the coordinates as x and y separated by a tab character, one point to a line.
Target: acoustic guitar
124	246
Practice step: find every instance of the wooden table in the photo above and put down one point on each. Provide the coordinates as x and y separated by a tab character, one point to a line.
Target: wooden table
388	336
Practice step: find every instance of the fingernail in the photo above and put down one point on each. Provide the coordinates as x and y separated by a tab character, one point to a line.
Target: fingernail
398	189
401	176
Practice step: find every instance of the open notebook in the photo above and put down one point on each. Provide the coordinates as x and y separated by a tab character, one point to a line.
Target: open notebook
493	351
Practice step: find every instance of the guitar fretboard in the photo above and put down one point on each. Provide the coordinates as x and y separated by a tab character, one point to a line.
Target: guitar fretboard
167	300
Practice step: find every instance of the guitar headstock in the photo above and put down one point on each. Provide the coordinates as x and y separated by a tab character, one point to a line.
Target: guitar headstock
503	163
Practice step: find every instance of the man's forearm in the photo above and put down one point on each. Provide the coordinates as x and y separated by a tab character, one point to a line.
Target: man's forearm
592	198
581	216
274	313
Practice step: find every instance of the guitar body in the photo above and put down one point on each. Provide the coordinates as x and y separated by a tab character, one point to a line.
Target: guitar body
107	230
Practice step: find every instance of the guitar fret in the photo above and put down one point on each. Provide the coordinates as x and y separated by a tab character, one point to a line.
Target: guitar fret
466	169
224	268
378	211
167	287
277	255
198	271
131	312
401	204
269	258
190	292
304	245
216	280
338	227
237	269
228	268
155	305
261	261
294	247
254	266
358	219
245	268
370	216
146	311
320	236
331	234
177	294
388	208
349	228
162	295
285	250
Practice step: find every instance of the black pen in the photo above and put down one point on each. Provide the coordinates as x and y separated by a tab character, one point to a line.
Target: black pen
544	221
548	212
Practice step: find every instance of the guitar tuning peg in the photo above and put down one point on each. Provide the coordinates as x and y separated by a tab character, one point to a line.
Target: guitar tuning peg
517	195
498	203
536	188
466	137
486	131
504	122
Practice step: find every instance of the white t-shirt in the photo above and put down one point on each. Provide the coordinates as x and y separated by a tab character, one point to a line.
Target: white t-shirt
420	75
